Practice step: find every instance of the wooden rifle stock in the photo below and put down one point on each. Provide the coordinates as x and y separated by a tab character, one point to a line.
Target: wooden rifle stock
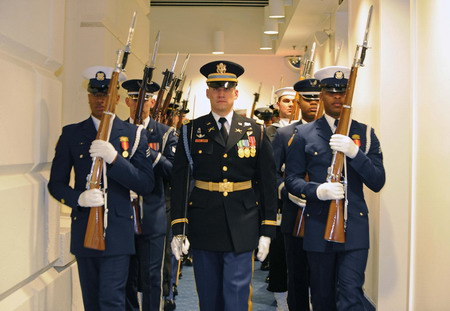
168	99
335	227
94	237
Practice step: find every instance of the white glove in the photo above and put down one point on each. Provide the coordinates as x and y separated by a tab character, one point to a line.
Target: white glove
103	149
180	245
330	191
263	248
91	198
344	144
133	195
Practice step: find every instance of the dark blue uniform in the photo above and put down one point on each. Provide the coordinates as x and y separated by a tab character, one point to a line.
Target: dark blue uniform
330	262
226	224
150	245
296	261
102	273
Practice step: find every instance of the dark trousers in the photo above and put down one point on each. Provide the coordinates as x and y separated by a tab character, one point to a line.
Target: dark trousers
223	280
103	282
278	279
148	266
337	280
298	274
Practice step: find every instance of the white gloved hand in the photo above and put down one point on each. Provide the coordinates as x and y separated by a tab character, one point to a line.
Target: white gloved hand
91	198
344	144
180	245
103	149
133	195
263	248
330	191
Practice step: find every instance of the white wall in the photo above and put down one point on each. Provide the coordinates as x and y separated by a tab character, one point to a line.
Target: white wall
430	251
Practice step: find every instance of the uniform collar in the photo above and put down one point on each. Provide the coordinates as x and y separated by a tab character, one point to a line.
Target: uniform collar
96	122
229	117
144	123
330	121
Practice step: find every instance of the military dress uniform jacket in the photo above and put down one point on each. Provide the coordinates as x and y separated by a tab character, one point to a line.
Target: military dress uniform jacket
72	150
154	218
280	147
225	221
310	153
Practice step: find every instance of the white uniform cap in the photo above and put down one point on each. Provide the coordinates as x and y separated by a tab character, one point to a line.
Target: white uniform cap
285	91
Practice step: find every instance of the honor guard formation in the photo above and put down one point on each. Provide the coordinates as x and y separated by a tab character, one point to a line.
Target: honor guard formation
158	191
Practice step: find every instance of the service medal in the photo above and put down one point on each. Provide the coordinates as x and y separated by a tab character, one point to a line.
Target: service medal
240	149
125	145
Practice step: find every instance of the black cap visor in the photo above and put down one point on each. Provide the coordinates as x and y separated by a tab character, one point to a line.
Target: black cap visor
219	84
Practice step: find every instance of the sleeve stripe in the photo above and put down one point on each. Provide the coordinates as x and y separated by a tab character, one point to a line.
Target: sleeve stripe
269	222
179	220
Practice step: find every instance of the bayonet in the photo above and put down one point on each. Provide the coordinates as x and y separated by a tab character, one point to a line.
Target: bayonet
122	62
155	51
365	45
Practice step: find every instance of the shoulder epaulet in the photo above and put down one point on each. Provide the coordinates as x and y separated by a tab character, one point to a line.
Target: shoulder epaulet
186	121
260	122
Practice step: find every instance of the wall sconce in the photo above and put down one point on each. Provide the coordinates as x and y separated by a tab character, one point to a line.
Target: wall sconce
276	9
219	42
266	42
270	24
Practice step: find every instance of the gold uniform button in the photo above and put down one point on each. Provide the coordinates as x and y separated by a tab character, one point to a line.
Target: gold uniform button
303	196
225	168
75	218
361	214
63	201
131	217
190	203
315	153
225	180
307	215
225	194
82	143
257	203
225	155
81	156
200	151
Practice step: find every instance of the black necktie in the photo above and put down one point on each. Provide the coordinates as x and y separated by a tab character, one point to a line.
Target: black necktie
223	130
336	122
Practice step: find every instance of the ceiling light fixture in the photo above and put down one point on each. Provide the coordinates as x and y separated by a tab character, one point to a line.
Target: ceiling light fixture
218	42
266	42
270	24
276	9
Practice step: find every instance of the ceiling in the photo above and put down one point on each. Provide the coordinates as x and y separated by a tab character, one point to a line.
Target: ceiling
241	3
243	23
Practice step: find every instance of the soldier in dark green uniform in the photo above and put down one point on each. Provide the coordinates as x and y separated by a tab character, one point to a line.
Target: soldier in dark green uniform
232	207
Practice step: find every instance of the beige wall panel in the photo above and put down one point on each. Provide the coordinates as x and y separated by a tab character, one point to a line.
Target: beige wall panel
52	290
32	30
396	122
266	69
431	251
26	222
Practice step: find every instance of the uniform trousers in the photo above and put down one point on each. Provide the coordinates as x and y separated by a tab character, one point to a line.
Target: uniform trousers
278	278
150	253
337	279
103	281
223	280
298	274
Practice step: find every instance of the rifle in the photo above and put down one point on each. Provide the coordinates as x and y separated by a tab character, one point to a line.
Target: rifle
184	107
168	76
304	74
252	113
146	79
336	222
177	84
95	231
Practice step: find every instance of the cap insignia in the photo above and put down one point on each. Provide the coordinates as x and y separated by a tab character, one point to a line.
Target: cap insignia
313	82
221	68
100	76
339	75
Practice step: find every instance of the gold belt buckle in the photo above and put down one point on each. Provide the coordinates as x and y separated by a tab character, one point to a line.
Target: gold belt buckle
226	186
